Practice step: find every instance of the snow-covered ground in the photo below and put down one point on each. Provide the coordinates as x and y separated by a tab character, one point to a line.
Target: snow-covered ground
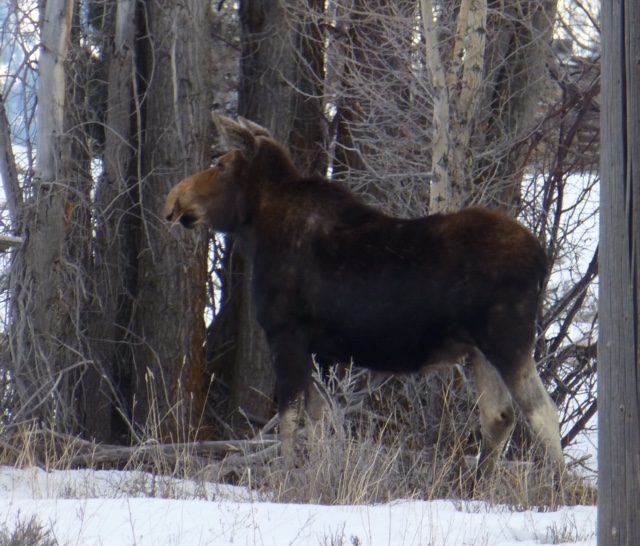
114	508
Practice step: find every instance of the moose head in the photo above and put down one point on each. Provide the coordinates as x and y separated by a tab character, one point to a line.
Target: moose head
216	197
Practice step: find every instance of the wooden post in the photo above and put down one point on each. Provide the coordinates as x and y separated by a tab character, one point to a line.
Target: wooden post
619	343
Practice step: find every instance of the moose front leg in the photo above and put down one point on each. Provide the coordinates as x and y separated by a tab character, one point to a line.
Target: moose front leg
292	364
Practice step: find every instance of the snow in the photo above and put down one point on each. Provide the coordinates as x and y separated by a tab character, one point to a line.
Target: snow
116	508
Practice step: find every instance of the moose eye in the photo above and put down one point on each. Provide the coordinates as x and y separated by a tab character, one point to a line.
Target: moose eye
220	166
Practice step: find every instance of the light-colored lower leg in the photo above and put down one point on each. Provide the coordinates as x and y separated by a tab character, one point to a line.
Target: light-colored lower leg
288	427
496	413
315	402
317	411
539	410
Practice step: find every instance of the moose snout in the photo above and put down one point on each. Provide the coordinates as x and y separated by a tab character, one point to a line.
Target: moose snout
175	211
171	213
174	208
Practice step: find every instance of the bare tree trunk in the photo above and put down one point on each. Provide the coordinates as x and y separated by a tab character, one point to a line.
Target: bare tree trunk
619	343
47	288
106	333
9	170
515	72
442	196
371	64
117	231
307	141
90	401
486	97
168	319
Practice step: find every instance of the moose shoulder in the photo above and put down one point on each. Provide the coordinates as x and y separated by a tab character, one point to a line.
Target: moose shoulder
336	277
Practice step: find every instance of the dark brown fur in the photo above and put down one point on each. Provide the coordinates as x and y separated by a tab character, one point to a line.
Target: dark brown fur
336	277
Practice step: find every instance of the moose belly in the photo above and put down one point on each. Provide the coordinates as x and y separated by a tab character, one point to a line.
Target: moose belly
391	350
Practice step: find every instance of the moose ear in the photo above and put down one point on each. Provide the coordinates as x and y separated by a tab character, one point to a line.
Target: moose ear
257	130
236	136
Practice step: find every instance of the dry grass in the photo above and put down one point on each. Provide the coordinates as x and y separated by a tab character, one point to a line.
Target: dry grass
28	445
27	533
381	440
384	441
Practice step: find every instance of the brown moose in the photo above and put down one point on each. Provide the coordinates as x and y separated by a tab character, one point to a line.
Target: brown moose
335	277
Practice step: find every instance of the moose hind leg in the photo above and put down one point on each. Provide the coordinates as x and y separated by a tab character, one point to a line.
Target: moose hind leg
538	408
316	411
315	403
496	413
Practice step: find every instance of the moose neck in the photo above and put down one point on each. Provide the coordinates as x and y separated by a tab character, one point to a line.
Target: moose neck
271	170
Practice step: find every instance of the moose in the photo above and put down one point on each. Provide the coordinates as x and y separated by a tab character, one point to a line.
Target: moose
335	277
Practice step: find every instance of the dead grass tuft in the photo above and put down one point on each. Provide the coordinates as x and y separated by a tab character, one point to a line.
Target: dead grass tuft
381	440
27	533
